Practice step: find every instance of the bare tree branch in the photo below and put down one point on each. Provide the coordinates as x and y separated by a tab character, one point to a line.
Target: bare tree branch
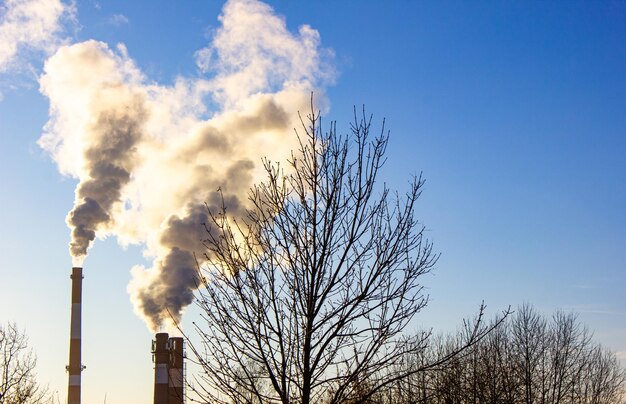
18	383
306	299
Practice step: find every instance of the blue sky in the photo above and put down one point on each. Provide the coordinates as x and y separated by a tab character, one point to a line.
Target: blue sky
513	112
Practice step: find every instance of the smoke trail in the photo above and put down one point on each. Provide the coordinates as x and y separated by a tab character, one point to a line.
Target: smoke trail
108	128
225	149
148	160
109	163
173	278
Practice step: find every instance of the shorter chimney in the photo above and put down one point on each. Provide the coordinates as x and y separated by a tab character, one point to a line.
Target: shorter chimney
168	356
175	346
161	359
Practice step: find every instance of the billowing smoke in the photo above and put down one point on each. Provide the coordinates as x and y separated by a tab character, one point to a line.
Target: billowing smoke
98	118
148	157
109	162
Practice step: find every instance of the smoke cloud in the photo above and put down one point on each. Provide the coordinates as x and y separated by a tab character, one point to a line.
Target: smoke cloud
98	115
30	25
148	157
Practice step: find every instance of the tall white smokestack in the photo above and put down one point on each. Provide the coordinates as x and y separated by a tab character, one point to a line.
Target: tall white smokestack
75	367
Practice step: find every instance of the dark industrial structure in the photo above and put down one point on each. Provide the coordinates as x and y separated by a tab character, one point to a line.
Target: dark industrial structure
168	355
75	367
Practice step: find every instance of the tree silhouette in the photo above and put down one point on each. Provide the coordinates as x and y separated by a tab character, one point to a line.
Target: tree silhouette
18	384
307	297
527	359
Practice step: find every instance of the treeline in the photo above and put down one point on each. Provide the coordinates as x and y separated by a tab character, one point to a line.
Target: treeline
527	359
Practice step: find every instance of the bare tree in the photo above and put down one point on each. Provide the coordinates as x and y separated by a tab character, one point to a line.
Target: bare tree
18	384
306	298
527	359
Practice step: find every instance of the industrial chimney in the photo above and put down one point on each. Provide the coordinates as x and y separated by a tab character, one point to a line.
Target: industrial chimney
175	346
161	359
75	367
168	356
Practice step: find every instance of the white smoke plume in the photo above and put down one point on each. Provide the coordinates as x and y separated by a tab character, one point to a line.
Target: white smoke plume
98	116
30	25
146	157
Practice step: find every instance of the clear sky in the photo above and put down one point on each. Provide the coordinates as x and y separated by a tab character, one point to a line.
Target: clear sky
514	112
